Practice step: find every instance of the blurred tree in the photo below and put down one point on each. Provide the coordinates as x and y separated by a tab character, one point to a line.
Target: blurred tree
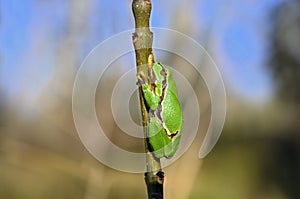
285	54
284	159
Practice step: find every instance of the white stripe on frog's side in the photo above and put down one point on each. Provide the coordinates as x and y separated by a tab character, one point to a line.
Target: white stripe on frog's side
158	112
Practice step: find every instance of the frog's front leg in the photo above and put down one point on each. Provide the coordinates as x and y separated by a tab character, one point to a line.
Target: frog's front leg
150	96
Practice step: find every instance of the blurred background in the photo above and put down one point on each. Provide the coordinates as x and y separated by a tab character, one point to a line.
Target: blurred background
256	45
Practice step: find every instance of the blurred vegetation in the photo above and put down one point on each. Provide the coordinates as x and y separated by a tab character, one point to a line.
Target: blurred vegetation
285	51
257	156
283	170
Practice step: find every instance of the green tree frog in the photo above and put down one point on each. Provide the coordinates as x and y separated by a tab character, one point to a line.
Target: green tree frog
164	122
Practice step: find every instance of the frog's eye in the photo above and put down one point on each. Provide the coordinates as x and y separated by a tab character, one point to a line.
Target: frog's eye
163	73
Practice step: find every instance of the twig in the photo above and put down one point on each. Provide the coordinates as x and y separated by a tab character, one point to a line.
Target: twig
142	40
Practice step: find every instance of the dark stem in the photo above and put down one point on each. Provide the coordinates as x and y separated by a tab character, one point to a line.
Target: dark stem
142	40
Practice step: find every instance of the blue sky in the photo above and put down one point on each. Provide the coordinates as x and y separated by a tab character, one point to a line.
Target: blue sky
32	30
